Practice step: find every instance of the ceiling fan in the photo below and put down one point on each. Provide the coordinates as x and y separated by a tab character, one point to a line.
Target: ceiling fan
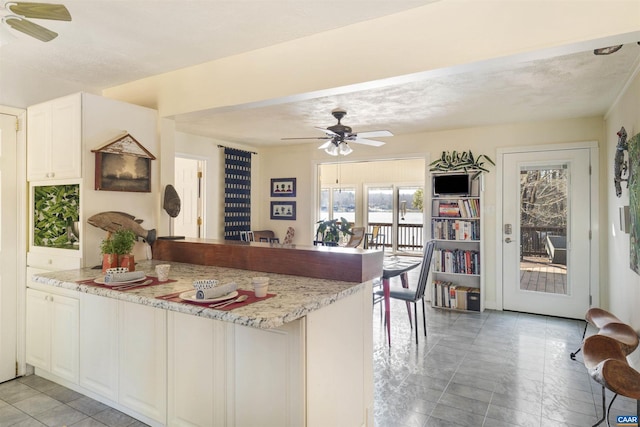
339	136
14	14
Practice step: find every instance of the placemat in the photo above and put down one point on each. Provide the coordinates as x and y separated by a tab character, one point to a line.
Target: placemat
154	282
174	297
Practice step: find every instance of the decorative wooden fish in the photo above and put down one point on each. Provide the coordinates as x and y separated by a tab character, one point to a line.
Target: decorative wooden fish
114	221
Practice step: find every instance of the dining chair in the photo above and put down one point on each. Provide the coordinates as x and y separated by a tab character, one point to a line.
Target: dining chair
413	295
355	238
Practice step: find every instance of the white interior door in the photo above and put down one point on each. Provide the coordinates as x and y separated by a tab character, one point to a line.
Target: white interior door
8	247
188	185
546	243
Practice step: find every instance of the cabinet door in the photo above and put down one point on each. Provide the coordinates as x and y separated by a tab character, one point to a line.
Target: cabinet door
99	345
66	137
196	349
143	359
38	339
39	141
65	314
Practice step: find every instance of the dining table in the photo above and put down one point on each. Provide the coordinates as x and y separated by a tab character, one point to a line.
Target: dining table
393	267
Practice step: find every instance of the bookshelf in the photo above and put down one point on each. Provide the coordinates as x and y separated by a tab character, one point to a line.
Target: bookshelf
456	226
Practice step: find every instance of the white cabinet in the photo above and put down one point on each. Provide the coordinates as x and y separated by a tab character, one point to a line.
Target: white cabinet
52	333
54	135
217	370
99	345
196	371
142	360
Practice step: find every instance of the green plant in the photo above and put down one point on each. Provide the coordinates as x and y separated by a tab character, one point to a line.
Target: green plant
464	160
54	208
106	246
123	241
329	229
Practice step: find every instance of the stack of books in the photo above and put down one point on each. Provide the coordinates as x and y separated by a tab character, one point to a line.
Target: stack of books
456	261
450	295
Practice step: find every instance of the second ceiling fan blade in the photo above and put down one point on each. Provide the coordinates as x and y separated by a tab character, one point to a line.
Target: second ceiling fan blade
56	12
364	141
31	29
374	134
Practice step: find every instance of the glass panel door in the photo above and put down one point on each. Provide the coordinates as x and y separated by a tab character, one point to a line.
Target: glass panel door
410	219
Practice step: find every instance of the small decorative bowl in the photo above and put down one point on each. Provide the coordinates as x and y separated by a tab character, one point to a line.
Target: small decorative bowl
201	285
117	270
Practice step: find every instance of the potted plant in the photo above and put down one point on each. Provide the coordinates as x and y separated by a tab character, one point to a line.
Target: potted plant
123	241
109	256
328	231
463	160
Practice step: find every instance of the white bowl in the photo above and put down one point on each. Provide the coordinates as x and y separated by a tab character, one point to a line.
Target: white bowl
201	285
117	270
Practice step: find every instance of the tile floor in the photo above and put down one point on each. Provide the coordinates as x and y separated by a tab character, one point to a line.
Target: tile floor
492	369
33	401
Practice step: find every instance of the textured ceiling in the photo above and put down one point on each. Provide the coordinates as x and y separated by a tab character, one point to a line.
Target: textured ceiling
576	85
110	42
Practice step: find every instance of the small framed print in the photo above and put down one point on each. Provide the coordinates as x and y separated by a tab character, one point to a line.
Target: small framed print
283	187
283	210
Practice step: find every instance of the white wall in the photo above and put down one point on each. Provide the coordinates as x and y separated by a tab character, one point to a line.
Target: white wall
103	120
621	287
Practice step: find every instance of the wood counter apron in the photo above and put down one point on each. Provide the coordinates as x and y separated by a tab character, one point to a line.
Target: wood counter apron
305	359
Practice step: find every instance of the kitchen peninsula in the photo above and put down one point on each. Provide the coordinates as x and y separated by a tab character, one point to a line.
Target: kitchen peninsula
300	358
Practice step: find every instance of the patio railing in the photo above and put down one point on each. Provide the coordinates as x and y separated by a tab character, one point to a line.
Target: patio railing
409	235
532	239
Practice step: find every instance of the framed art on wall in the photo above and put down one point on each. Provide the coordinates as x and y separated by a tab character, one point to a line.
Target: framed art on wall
283	210
283	187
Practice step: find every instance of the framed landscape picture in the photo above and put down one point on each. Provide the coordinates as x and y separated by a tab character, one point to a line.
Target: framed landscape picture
283	210
283	187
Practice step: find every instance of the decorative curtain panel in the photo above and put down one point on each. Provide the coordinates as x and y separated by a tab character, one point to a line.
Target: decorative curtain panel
237	192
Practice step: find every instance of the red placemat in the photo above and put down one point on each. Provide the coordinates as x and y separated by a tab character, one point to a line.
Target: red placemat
175	297
154	282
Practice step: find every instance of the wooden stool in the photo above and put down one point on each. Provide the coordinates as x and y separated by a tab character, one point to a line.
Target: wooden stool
598	318
623	334
607	364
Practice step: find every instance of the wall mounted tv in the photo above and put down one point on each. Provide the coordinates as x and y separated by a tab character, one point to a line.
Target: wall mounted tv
451	184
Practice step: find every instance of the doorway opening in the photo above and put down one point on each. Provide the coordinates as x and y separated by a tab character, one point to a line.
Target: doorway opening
189	184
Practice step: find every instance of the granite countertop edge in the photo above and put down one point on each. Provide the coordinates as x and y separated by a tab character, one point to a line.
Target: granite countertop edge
295	296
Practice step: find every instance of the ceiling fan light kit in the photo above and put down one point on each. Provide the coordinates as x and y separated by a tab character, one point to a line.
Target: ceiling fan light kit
338	136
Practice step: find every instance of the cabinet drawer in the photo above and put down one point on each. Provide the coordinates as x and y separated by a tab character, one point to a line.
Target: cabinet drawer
53	262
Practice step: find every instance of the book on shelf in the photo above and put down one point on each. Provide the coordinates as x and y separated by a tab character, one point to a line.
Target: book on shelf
455	229
449	295
456	261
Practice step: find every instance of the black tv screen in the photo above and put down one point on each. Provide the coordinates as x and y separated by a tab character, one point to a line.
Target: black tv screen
451	185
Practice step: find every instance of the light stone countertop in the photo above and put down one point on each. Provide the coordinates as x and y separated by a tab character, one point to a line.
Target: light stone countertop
295	296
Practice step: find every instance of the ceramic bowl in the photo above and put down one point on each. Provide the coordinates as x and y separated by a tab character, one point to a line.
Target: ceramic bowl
117	270
201	285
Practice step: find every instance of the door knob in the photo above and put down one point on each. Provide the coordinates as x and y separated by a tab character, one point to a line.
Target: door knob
508	240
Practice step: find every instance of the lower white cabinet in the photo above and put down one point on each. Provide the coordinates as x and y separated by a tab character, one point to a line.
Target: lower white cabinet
142	332
52	336
221	374
99	345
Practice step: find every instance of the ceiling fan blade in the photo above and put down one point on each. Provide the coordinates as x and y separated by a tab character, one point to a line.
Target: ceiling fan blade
371	142
325	145
374	134
315	137
31	29
327	131
56	12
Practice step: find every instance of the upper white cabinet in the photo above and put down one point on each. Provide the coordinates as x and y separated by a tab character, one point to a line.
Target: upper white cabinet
54	135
